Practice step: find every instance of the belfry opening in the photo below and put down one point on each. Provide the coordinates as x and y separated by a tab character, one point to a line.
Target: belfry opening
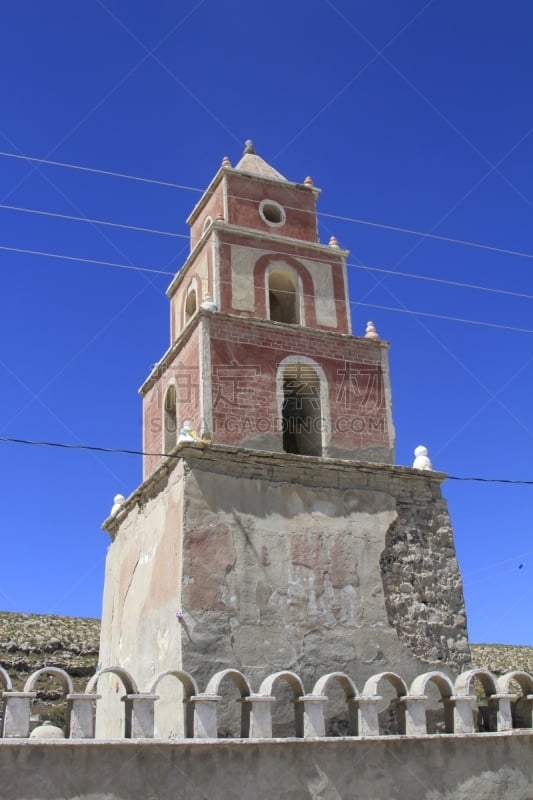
302	422
283	299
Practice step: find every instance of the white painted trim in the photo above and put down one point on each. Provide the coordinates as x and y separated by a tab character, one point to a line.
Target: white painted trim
278	207
387	391
216	269
346	296
225	209
205	389
171	382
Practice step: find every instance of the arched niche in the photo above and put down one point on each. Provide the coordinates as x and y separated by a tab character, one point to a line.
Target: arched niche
170	422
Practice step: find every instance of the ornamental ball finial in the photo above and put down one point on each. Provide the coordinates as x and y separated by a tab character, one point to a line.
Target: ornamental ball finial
209	304
47	731
226	162
118	502
421	458
249	147
334	243
308	181
371	332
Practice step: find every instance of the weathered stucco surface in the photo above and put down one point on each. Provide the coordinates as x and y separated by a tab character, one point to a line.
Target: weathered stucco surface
142	591
282	562
492	767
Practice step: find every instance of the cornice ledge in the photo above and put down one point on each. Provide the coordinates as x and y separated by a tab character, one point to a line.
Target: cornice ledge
202	454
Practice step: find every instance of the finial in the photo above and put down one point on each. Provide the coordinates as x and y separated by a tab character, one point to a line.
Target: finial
118	502
47	731
226	162
333	242
209	304
421	458
249	147
371	332
308	181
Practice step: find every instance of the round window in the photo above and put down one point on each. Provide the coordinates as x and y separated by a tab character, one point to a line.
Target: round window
272	213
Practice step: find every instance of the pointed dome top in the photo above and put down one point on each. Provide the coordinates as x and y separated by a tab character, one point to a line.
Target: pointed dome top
254	164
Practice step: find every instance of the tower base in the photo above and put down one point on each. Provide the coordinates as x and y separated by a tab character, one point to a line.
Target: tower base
261	561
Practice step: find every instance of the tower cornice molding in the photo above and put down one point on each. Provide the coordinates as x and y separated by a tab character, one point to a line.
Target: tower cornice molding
254	322
220	226
279	467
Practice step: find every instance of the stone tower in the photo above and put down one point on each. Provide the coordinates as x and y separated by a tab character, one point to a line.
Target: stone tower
271	518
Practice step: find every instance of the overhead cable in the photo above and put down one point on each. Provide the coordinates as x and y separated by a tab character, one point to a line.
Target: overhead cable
340	218
413	312
131	452
73	218
350	265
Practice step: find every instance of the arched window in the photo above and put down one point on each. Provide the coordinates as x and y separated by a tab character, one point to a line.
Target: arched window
302	422
170	423
191	305
283	297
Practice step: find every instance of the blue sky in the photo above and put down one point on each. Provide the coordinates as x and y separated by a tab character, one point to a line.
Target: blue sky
413	115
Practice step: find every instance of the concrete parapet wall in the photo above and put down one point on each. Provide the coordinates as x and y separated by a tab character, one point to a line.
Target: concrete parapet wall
494	767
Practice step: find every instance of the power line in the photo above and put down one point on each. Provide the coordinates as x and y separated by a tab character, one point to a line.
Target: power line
340	218
443	281
449	239
73	218
130	452
444	317
133	268
100	171
350	265
84	260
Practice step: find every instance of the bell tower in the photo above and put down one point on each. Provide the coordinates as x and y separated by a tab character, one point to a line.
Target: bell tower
272	529
261	352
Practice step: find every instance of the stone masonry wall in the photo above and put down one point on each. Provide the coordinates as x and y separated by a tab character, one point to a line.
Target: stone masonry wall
421	580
